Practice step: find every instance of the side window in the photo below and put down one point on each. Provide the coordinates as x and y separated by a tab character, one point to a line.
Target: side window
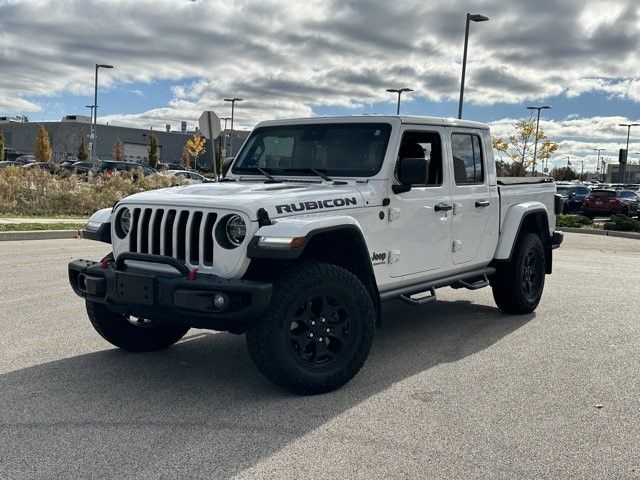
424	145
468	167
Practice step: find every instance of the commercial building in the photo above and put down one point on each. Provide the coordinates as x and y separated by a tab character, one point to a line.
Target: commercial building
632	173
66	134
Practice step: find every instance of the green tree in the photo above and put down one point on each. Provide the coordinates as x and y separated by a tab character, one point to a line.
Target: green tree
519	147
564	174
1	145
43	152
152	151
117	152
83	151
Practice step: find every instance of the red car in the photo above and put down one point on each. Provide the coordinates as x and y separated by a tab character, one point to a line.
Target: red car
606	202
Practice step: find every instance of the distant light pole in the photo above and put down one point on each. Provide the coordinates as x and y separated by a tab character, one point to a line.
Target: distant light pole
598	161
623	166
94	125
399	91
535	145
470	18
224	135
233	104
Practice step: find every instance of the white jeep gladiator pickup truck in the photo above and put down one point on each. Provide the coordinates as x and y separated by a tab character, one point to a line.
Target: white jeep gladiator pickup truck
315	223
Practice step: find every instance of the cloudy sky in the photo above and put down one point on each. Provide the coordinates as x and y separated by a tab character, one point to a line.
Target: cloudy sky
174	59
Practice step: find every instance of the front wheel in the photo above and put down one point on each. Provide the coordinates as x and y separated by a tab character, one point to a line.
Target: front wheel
318	330
517	285
130	333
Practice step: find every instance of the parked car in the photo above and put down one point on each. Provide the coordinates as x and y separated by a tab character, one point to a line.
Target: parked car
47	167
300	254
607	202
8	163
573	197
108	167
170	166
191	177
25	159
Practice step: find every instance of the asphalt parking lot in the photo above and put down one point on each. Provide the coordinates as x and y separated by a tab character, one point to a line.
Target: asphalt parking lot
453	390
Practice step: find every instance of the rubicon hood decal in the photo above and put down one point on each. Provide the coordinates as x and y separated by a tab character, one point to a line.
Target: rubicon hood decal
278	200
316	204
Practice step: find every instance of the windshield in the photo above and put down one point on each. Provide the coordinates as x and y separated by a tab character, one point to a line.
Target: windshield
563	190
341	149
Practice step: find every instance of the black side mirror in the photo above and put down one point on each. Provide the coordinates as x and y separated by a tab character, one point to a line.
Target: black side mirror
226	165
411	171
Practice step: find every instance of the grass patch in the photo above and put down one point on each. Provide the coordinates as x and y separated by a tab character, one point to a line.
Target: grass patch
29	227
33	192
622	223
573	221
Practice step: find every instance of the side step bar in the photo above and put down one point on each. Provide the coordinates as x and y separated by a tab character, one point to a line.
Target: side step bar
472	283
474	278
416	302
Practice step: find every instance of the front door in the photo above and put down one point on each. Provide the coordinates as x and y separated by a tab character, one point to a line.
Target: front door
420	219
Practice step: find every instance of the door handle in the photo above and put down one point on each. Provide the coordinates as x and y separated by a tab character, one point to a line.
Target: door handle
443	207
482	203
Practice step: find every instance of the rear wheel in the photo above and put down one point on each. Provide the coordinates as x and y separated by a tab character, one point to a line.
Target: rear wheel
517	285
318	330
131	333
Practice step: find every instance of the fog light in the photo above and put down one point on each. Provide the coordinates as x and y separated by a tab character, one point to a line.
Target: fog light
220	301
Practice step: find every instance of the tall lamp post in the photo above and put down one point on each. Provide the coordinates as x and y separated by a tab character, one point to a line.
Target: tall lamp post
233	104
94	125
224	136
623	166
535	145
598	161
399	91
470	18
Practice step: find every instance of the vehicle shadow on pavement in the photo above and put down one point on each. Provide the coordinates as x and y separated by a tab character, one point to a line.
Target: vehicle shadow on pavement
201	409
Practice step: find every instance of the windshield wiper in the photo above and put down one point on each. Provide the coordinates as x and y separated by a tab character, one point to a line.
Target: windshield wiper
315	171
263	170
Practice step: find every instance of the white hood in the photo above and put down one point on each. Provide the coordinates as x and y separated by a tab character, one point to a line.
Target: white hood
279	199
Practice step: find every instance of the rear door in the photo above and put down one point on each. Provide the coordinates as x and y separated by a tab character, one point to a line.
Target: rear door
473	204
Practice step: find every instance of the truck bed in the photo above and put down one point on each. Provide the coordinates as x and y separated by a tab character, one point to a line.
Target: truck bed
513	190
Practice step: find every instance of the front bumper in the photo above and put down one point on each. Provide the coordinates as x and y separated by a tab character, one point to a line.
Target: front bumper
179	297
556	239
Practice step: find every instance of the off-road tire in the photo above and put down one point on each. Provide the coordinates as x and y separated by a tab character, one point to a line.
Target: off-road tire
118	330
278	341
518	284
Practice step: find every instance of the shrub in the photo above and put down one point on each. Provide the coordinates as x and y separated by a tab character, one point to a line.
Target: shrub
572	221
622	223
37	192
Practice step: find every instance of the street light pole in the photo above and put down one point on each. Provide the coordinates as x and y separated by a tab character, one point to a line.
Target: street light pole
470	18
233	104
623	166
598	161
535	145
399	92
94	124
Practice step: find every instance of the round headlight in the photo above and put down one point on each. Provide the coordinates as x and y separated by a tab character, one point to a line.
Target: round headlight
124	221
236	230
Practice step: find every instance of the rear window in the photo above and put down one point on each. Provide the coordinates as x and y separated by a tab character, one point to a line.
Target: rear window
563	190
603	194
627	194
582	191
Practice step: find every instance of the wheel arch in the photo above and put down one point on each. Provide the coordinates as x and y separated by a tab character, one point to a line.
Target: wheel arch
530	217
340	243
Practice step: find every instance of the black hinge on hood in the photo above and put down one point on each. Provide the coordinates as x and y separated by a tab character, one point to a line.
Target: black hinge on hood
263	218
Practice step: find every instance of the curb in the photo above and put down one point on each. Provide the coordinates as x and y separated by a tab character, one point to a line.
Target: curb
39	235
605	233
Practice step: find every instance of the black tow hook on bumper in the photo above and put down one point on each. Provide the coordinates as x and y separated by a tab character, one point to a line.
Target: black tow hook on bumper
181	296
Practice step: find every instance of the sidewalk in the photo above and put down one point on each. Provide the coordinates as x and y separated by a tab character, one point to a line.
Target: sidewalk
19	220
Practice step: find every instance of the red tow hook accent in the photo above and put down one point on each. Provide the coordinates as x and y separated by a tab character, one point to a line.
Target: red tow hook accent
106	261
193	274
